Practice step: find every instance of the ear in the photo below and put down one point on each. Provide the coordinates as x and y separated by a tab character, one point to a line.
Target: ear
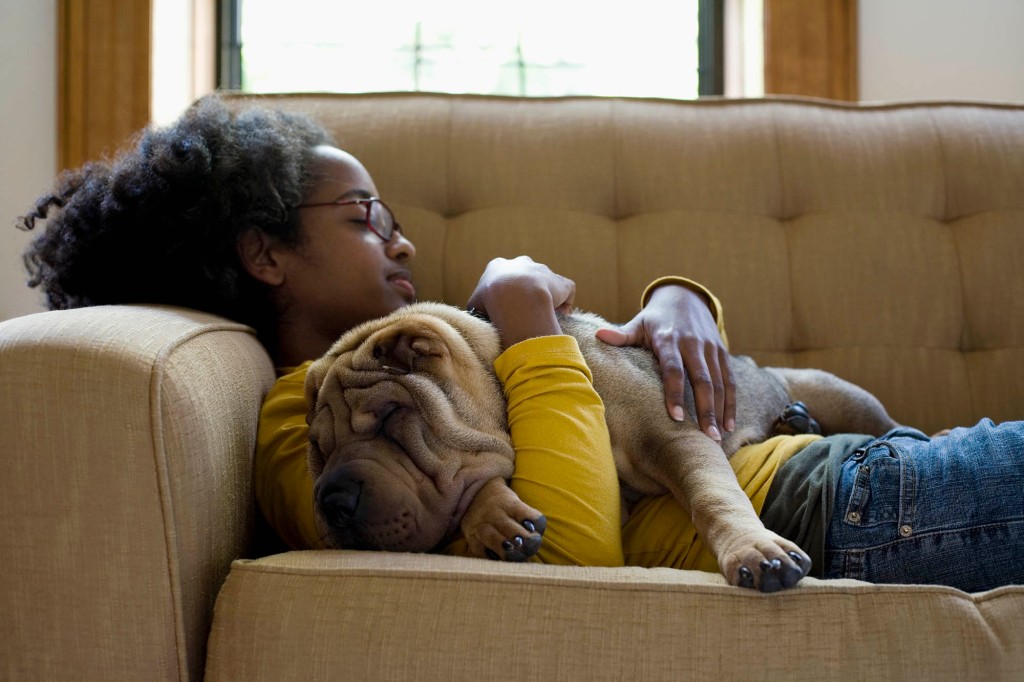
258	253
399	352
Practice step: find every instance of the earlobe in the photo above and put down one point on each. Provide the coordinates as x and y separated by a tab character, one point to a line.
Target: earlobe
259	257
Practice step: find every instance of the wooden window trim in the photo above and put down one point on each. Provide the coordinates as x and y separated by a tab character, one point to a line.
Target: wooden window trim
103	76
105	81
810	48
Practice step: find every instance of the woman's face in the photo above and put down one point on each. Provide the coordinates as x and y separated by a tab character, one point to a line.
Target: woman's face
342	274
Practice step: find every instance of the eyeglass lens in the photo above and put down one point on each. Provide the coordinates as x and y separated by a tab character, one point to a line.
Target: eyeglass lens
380	220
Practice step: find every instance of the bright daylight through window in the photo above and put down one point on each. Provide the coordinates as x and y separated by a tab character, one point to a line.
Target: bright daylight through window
644	48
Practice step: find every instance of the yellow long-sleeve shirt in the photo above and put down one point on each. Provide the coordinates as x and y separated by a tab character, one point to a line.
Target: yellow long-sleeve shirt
564	465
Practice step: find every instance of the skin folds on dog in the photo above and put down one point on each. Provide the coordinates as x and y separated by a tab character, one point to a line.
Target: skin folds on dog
408	441
408	424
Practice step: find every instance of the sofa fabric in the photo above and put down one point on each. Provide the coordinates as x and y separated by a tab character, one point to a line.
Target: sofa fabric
877	242
362	615
881	243
127	491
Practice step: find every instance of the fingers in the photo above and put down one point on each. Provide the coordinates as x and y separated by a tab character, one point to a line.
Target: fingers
626	335
705	378
714	388
681	358
521	297
729	394
673	376
522	274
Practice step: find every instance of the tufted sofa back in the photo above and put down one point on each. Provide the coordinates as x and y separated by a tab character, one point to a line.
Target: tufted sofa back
883	243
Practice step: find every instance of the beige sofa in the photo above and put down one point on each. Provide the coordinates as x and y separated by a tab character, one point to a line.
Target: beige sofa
883	243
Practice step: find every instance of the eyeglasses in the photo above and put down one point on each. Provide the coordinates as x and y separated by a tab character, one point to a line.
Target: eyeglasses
379	218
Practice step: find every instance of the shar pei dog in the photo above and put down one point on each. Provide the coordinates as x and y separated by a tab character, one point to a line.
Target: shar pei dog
409	443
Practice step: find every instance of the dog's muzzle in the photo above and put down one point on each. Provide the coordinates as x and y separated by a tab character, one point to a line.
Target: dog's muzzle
337	503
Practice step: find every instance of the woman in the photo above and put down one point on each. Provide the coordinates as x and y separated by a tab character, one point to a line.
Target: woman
259	217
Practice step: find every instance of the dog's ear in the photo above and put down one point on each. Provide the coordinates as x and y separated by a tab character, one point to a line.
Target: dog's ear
319	417
315	376
399	353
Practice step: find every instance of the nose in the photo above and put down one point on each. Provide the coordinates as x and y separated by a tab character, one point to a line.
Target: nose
400	248
339	500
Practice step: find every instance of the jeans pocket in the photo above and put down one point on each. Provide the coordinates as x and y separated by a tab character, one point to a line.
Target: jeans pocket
876	494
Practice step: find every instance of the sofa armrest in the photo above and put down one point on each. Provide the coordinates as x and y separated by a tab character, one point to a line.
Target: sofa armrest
126	490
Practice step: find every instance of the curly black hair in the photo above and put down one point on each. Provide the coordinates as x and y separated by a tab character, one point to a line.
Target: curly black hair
160	222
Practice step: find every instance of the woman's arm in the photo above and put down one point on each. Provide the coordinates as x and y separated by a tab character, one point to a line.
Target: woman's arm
282	484
564	466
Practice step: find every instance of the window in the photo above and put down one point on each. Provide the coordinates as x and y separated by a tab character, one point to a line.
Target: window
645	48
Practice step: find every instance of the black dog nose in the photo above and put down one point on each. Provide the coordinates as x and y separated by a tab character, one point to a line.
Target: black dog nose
340	499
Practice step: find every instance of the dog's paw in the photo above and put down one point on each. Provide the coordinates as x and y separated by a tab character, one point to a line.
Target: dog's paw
500	526
768	563
796	419
523	544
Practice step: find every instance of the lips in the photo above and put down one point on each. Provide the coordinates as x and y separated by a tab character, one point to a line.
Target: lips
403	281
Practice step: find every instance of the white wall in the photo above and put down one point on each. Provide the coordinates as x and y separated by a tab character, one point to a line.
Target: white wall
941	49
28	134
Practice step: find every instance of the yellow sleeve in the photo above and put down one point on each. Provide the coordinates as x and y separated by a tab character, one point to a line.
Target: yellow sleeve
564	465
283	486
713	302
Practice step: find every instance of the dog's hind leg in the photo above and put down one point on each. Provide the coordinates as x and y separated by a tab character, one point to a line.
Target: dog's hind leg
836	404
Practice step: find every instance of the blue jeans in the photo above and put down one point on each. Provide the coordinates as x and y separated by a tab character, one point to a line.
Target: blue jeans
948	510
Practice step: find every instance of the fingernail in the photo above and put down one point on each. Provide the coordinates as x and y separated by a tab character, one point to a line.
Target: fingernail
730	425
714	433
678	413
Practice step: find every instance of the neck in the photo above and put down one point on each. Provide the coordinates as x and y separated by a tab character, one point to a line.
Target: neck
295	344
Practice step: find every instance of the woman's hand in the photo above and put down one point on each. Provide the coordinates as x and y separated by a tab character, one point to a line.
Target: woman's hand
521	297
678	326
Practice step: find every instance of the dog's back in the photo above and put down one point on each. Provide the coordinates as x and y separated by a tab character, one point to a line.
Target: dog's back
404	441
629	382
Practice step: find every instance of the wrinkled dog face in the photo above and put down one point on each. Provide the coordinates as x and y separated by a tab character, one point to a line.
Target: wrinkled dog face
406	422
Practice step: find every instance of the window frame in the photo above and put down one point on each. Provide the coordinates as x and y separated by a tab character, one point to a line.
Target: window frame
90	122
710	68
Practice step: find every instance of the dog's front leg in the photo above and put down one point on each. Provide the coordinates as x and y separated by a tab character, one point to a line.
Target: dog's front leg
498	525
748	554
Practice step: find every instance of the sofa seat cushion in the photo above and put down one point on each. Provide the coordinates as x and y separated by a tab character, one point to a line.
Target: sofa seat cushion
362	615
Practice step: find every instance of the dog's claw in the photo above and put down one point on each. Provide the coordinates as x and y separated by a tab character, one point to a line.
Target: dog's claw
521	548
746	577
770	579
491	554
